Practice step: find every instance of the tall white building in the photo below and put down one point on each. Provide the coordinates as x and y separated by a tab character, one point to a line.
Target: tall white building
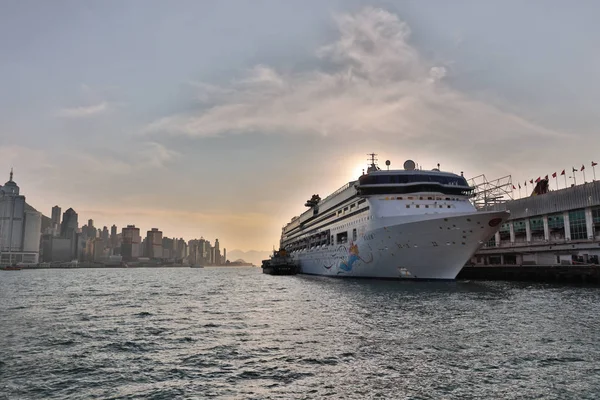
20	230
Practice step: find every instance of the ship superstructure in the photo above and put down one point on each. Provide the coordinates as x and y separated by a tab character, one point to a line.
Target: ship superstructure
406	223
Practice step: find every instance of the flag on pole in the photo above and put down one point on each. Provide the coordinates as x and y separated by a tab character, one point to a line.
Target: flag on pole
574	169
525	183
519	186
553	175
531	181
546	177
538	179
594	164
582	167
514	188
562	173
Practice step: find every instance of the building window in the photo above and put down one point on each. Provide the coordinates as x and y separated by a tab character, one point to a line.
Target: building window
577	224
354	234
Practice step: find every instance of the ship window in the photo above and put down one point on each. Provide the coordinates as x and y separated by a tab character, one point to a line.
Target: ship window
421	198
341	237
448	206
430	198
354	234
399	198
417	206
408	206
426	205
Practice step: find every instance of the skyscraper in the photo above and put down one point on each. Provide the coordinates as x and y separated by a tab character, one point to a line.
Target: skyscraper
19	229
130	248
113	237
69	225
56	218
217	256
154	243
104	235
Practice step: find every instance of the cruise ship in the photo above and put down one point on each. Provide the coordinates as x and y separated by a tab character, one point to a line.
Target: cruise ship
399	224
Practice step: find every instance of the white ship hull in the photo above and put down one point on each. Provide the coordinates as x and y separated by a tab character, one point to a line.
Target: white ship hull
426	247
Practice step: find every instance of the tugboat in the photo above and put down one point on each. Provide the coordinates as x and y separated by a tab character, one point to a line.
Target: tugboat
280	263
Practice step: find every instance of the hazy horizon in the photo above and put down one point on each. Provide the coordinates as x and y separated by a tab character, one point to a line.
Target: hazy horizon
221	119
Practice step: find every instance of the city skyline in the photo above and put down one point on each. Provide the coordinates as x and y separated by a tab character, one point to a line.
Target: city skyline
194	118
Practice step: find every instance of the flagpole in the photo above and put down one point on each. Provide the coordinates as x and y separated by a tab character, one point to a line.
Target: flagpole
574	178
583	175
556	182
519	191
594	169
565	181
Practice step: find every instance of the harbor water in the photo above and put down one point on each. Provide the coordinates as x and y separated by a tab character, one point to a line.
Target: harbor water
182	333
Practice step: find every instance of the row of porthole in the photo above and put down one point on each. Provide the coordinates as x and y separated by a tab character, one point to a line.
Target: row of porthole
423	198
427	206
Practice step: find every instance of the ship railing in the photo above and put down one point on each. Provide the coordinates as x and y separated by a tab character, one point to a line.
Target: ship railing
340	190
298	219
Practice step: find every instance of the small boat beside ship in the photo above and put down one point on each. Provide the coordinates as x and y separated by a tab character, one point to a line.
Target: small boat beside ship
280	263
11	268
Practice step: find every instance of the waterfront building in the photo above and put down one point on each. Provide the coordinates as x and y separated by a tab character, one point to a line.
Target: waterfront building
182	249
20	228
56	249
131	240
154	243
104	236
558	227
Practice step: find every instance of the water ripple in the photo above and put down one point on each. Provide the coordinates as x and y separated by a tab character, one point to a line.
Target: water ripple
235	333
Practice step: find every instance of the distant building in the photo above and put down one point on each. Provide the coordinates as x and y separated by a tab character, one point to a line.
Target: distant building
130	245
20	230
114	239
217	253
104	236
56	219
154	243
182	249
69	224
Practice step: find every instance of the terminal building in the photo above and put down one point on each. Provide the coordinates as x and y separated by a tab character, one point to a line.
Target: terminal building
547	228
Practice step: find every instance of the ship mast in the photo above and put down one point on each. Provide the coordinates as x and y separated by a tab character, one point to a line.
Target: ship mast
373	163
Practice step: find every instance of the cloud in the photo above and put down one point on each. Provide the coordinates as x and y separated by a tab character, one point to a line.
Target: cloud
372	82
83	112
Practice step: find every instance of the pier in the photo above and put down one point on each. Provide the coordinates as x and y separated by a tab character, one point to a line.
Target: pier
586	274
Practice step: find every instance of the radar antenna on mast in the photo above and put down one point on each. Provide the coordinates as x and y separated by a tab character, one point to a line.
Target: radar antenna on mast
373	163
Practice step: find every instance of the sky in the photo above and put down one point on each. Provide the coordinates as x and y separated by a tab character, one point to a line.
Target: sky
220	119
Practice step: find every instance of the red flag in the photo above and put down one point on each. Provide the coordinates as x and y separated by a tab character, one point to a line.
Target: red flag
531	181
562	173
554	175
538	179
546	178
525	183
582	167
594	164
514	187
